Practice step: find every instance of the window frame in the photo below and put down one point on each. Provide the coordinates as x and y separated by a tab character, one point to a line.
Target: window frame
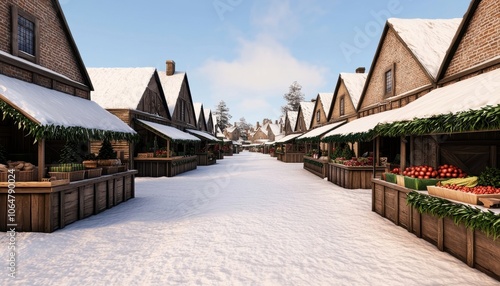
318	116
390	70
342	105
15	13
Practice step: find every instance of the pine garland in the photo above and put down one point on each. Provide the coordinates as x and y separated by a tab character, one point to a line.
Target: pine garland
61	132
473	218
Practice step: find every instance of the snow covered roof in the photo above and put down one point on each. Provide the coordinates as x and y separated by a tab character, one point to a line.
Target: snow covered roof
203	134
230	129
288	138
354	83
470	94
428	39
292	118
168	131
275	128
361	125
208	113
119	87
49	107
326	100
307	108
197	110
318	131
171	87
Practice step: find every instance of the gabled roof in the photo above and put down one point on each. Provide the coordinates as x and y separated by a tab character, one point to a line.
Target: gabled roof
275	128
120	87
459	35
326	99
171	87
427	39
307	109
198	106
354	83
208	115
292	118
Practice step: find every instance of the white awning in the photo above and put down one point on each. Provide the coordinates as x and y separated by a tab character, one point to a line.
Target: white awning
289	137
318	131
470	94
361	125
170	132
205	135
48	107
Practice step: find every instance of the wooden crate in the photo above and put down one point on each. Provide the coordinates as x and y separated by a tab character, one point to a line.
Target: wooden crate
21	176
93	173
71	176
464	197
108	170
145	155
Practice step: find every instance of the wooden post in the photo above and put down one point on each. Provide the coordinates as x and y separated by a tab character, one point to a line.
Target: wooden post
402	155
41	159
168	148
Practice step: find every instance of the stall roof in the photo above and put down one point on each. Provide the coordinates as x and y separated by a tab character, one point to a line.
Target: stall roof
168	131
289	137
361	125
48	107
317	132
205	135
470	94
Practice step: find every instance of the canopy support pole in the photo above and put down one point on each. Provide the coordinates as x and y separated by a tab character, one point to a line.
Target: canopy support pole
168	148
41	159
402	155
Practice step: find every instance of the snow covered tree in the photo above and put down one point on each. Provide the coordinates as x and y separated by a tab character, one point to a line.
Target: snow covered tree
243	126
221	112
293	97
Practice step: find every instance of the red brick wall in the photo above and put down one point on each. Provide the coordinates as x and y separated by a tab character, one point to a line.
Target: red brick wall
55	51
408	73
481	40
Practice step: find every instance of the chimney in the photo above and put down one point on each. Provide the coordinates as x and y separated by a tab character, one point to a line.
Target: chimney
360	70
170	67
276	121
258	124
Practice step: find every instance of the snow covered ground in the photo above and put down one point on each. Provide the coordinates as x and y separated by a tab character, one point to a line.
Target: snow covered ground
248	220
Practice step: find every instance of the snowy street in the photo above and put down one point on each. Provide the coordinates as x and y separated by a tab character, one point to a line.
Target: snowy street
248	220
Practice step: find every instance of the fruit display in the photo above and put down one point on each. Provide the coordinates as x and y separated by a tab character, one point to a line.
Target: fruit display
428	172
478	190
396	171
465	182
355	161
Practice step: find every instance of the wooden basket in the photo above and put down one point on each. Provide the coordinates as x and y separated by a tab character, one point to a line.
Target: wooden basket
71	176
464	197
145	155
93	173
90	164
21	176
108	170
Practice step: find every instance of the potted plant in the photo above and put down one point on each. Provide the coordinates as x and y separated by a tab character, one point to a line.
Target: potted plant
107	156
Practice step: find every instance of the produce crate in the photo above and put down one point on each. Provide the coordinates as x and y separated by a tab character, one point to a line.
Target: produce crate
419	184
464	197
400	180
145	155
108	170
93	173
71	176
391	178
21	176
122	168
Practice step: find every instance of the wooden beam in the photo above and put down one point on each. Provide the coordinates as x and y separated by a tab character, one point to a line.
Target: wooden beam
402	155
41	159
168	148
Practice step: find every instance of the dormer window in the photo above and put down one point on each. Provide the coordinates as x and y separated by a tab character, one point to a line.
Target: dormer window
342	106
25	39
318	116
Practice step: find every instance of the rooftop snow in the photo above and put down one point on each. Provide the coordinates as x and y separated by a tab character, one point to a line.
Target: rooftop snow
354	83
49	107
292	118
318	131
428	39
208	113
203	134
119	87
275	128
197	110
171	85
288	138
169	131
326	100
307	108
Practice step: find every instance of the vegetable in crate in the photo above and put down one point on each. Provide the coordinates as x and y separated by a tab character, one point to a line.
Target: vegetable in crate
490	177
466	182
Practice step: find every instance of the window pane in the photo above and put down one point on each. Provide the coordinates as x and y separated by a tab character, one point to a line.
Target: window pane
26	35
388	81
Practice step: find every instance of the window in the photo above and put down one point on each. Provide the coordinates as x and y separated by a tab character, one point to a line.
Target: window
342	106
183	110
389	81
25	36
318	116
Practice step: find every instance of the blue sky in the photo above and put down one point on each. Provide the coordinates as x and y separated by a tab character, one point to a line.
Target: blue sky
244	52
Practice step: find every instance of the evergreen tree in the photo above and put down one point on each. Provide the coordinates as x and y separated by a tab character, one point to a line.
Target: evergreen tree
243	126
222	114
293	98
106	151
69	153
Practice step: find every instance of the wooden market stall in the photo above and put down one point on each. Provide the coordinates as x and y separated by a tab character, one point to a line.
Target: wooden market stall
166	163
203	151
289	151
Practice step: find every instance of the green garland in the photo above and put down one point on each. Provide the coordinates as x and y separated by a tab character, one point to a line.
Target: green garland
473	218
486	118
312	162
351	137
60	132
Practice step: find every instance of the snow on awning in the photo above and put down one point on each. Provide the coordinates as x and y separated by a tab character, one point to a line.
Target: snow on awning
353	129
205	135
168	131
58	112
289	137
237	143
473	93
317	132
